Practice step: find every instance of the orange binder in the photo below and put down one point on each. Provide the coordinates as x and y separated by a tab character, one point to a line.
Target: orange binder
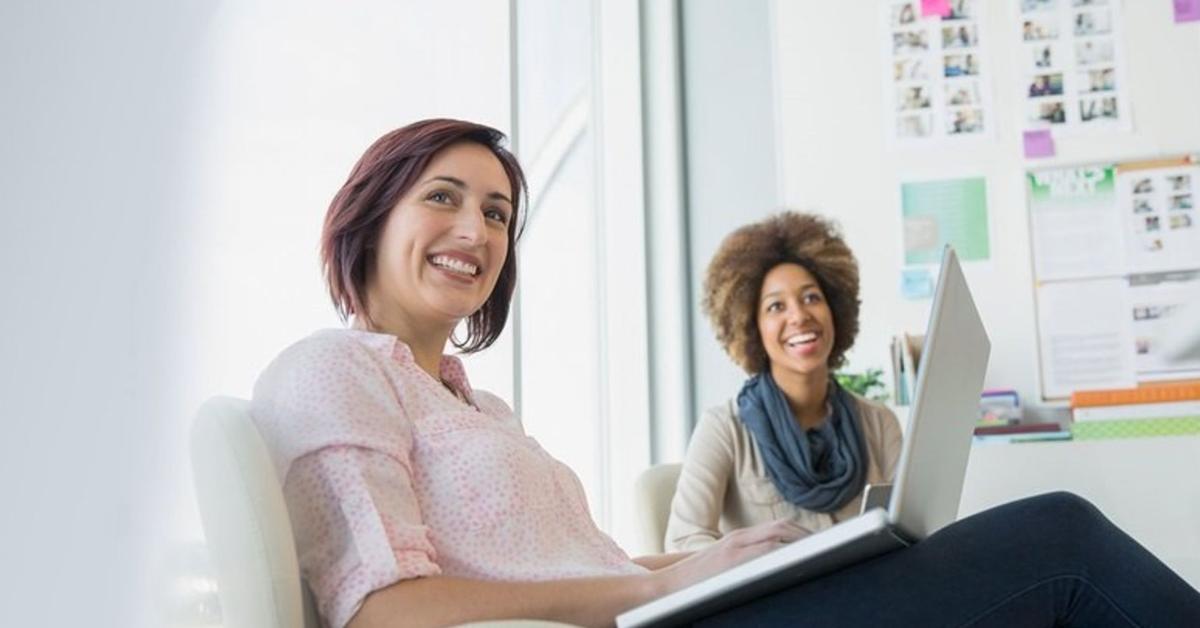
1147	393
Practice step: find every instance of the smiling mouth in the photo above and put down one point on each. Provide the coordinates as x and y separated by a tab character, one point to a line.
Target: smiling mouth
800	340
453	265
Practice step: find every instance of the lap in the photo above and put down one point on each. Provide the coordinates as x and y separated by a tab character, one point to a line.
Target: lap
1030	558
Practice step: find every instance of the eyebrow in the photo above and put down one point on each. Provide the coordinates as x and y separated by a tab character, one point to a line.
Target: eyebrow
462	185
777	292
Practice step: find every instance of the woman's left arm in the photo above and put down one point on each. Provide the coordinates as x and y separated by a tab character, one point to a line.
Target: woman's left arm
893	441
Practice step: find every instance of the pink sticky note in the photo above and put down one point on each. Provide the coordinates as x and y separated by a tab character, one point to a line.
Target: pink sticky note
1187	10
940	8
1039	143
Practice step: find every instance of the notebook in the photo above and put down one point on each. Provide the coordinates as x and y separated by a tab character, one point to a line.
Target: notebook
929	476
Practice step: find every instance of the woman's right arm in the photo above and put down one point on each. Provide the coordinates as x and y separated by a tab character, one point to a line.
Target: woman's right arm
441	601
700	493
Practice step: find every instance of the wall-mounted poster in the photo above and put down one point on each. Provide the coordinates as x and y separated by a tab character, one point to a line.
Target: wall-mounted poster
937	213
1073	77
1076	228
935	76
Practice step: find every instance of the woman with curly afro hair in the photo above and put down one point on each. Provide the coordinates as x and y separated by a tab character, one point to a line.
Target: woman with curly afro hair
782	295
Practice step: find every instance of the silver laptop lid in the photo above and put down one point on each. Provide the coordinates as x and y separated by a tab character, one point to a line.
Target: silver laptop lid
933	461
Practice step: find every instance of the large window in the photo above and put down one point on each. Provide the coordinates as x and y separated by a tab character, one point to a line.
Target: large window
582	351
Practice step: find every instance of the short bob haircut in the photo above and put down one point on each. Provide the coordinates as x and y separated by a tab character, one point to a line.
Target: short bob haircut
735	276
382	176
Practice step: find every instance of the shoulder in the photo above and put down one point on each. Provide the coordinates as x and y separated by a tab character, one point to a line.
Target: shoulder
718	427
877	419
873	411
721	417
330	388
329	352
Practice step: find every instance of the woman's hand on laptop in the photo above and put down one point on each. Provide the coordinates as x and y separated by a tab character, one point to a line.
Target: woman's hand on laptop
732	549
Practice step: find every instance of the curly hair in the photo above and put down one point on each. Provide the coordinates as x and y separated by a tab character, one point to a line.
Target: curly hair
735	275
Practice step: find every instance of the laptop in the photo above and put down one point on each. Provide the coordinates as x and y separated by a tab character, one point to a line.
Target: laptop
929	476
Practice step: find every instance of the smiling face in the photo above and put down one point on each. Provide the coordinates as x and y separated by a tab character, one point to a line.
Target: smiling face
444	243
795	322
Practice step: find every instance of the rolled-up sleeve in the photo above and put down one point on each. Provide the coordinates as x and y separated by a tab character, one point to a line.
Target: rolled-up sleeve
342	445
358	526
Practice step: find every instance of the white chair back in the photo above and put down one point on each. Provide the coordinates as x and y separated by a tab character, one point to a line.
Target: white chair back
654	490
246	522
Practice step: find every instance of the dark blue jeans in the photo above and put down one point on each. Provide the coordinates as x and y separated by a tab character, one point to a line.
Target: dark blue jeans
1050	560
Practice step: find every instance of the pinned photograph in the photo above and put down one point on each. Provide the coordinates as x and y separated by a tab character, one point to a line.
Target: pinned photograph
1099	109
909	42
1029	6
960	65
904	14
1046	85
912	97
963	93
1180	202
1092	23
914	125
1181	221
1151	312
1142	206
1180	182
1145	185
964	36
1151	224
1039	28
964	121
1043	56
1094	51
1098	80
1152	244
911	69
1047	111
960	10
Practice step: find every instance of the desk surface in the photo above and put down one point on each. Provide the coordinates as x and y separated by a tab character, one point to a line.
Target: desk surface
1150	487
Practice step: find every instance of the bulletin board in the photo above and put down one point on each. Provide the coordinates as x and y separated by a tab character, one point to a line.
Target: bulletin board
1116	252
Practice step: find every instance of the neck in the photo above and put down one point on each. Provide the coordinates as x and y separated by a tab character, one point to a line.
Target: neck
805	393
425	341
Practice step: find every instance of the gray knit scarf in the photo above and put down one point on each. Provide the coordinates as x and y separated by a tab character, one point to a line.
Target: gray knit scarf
820	469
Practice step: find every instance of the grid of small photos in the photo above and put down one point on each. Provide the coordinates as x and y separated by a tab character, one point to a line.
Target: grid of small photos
1071	62
1161	207
937	72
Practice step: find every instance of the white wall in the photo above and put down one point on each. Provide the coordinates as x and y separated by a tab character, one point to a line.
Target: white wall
832	157
97	103
164	173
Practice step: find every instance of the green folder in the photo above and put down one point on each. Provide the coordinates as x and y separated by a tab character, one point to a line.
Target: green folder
1135	428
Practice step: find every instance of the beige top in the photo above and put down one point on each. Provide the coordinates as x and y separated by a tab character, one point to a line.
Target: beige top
724	485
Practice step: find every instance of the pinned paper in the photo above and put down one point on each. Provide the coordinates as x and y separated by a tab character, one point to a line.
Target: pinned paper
1187	11
940	8
947	211
916	283
1039	143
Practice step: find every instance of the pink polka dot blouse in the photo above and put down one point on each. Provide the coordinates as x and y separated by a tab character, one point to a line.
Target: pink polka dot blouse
389	475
